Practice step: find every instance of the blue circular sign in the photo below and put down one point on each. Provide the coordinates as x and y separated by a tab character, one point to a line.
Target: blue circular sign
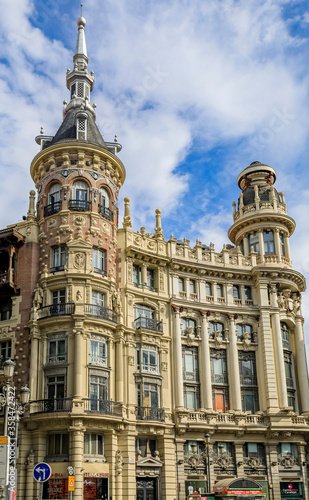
42	472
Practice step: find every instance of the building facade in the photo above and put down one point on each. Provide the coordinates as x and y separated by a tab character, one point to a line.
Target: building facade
155	368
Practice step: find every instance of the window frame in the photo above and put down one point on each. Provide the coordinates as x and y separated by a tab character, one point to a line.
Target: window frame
98	258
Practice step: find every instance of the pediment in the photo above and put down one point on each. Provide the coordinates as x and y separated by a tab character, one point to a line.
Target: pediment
149	462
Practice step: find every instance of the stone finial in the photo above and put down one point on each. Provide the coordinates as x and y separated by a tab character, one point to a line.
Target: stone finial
127	222
158	230
256	194
31	211
234	208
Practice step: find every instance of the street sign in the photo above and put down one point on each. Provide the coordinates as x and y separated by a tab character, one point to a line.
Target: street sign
71	483
42	472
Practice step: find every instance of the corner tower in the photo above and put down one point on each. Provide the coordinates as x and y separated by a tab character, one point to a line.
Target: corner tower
75	320
261	223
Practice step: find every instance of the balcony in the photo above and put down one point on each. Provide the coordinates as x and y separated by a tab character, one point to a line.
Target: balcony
148	413
103	407
65	309
148	324
51	405
52	208
80	205
98	311
106	212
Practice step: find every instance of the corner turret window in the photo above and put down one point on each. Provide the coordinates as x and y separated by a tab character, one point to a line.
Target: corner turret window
254	242
80	197
53	200
269	245
81	129
104	207
282	244
73	90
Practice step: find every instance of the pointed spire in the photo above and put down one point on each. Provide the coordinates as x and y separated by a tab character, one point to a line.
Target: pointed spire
80	57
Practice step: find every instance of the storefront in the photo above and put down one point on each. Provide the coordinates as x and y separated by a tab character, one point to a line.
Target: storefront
291	491
95	482
238	489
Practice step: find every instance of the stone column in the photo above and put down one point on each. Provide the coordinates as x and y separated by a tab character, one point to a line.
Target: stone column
287	247
214	291
261	244
77	456
277	243
78	364
278	349
246	245
144	275
205	365
119	370
201	290
178	360
301	365
234	366
111	363
34	365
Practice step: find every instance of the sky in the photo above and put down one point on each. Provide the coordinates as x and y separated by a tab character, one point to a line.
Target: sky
195	90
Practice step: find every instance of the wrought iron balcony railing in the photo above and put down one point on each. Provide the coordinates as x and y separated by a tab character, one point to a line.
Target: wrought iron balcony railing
103	407
65	309
52	208
101	312
149	324
148	413
80	205
106	212
51	405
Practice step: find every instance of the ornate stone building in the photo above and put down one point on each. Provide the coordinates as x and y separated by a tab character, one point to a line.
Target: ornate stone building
155	368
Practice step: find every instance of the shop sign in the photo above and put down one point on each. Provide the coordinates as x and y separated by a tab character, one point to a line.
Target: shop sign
96	474
71	483
243	492
290	489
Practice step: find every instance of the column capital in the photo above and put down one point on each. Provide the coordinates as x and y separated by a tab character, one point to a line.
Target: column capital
204	313
177	309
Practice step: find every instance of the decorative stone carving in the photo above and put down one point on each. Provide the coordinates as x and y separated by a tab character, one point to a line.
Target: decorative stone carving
118	460
79	260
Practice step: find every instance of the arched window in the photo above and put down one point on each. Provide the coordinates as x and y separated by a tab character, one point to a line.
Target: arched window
104	206
53	200
216	329
80	197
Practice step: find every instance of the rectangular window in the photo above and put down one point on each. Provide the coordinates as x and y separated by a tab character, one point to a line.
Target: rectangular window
269	244
254	243
5	310
56	387
282	244
190	364
287	450
58	445
145	445
73	90
150	396
218	366
236	293
220	398
192	397
254	450
220	291
98	352
192	286
151	282
59	258
250	400
147	358
193	447
248	293
5	351
98	389
57	350
188	326
209	289
288	369
93	444
181	284
99	260
58	297
137	276
81	129
97	298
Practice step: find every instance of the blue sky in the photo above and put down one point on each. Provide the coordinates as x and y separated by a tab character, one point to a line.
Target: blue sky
194	89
